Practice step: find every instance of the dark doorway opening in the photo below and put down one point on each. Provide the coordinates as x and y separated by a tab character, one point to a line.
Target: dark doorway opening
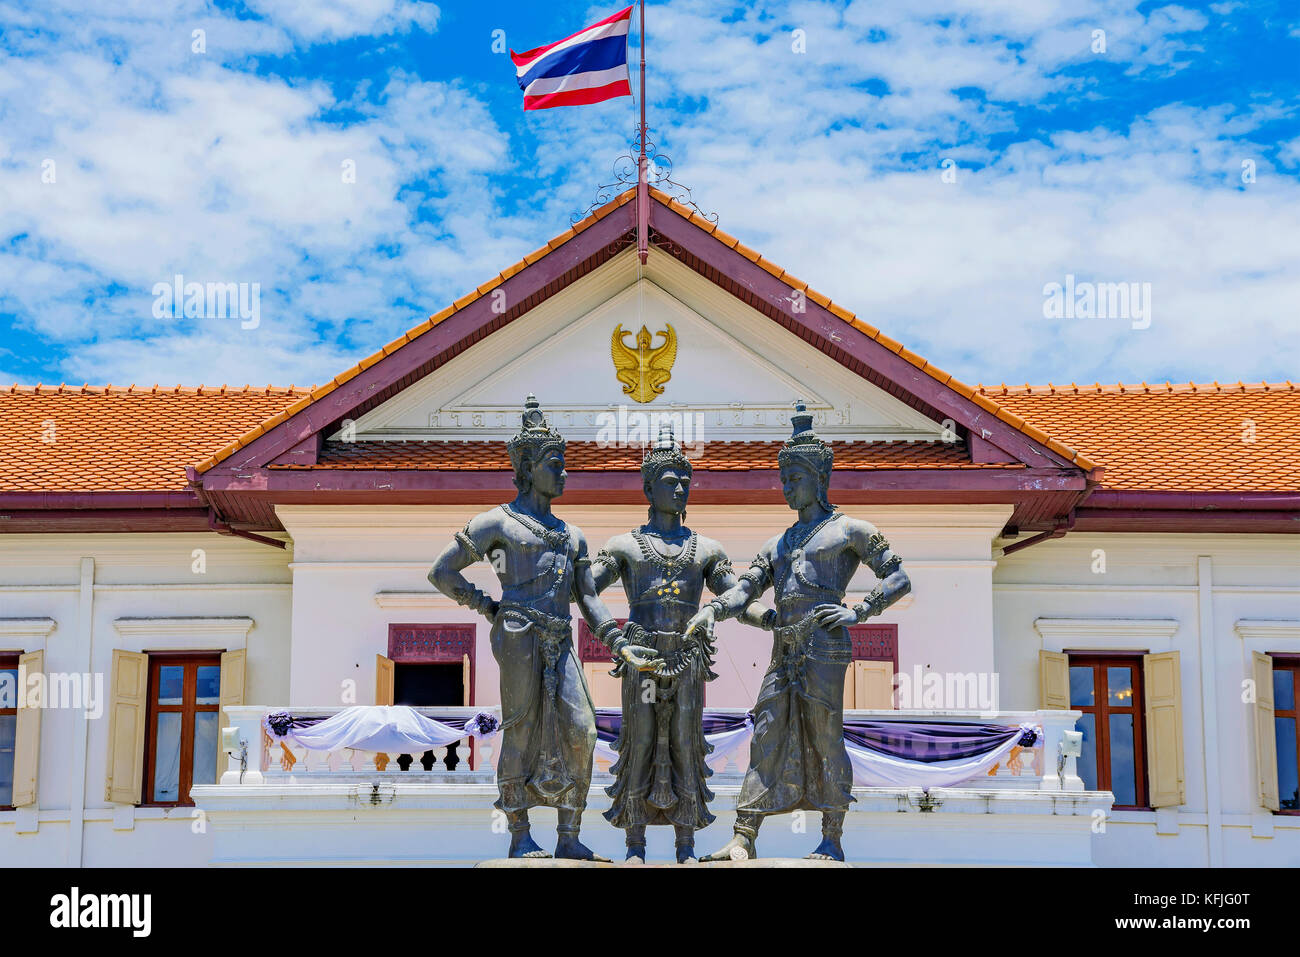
429	685
422	685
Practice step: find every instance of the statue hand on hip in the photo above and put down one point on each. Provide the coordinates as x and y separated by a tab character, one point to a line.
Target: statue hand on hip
830	616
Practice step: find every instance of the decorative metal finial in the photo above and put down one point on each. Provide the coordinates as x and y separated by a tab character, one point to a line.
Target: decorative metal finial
659	174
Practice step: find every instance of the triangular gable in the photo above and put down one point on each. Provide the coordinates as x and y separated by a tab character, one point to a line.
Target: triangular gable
297	433
732	378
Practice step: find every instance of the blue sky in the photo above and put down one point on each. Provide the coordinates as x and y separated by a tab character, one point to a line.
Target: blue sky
1122	165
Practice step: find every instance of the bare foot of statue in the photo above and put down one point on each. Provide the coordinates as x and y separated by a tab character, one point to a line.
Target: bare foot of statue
635	854
739	848
572	849
523	845
828	850
686	854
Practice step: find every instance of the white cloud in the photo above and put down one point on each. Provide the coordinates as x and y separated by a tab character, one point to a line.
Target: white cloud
827	162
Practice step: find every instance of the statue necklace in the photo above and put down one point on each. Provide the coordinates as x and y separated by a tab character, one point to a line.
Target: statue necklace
557	539
796	551
796	556
668	566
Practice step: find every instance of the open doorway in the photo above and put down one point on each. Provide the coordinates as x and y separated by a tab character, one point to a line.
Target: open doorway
419	684
429	666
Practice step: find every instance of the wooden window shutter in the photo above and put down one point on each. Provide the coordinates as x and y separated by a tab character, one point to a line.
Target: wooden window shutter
873	684
234	669
1164	716
384	680
128	714
850	689
464	679
1054	680
27	743
1265	733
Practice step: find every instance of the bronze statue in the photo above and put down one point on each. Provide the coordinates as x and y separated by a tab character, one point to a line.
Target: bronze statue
797	756
660	774
548	724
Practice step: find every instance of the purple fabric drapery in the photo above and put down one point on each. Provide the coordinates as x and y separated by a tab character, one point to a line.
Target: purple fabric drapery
925	741
929	741
610	720
282	723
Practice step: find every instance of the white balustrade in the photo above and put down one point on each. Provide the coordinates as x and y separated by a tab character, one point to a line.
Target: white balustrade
1028	768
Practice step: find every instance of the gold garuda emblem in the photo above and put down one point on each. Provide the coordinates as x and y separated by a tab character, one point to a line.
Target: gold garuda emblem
643	370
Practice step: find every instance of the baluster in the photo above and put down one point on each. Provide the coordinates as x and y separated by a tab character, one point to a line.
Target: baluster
440	758
483	754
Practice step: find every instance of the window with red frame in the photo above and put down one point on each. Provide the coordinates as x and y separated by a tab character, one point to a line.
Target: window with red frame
1108	690
183	733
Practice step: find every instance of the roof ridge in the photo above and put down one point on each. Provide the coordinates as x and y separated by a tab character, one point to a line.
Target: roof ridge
178	389
1143	388
694	217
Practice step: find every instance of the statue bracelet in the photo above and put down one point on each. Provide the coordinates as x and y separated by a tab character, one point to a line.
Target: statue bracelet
872	605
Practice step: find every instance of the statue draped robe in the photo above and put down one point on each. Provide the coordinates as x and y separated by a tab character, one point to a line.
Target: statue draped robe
661	775
548	728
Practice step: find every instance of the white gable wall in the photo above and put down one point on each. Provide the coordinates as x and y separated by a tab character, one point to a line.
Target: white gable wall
736	370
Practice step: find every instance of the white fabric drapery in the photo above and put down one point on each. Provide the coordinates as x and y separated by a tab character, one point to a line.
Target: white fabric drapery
872	769
392	729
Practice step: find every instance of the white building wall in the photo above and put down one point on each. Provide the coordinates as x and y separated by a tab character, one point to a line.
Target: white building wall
1206	585
321	612
85	583
357	570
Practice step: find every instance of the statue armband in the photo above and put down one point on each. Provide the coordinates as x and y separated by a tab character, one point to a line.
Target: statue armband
890	565
877	545
604	560
467	543
759	574
721	573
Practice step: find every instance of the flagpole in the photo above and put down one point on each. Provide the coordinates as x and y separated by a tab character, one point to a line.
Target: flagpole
642	178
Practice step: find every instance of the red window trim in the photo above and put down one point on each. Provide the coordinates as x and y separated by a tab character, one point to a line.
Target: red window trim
187	710
1291	662
9	661
1101	694
435	643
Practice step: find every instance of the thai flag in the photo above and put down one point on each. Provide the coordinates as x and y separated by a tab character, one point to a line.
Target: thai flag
588	67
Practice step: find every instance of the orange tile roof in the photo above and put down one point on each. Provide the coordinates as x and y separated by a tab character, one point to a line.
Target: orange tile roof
88	439
1166	437
1015	421
1148	437
589	456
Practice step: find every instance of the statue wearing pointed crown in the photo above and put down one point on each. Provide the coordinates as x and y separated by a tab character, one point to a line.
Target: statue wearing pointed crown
660	777
548	722
797	756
